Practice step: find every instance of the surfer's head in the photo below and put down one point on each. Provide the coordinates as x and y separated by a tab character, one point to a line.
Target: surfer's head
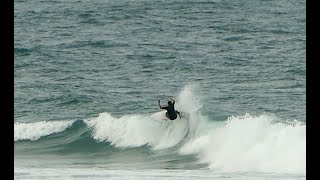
169	103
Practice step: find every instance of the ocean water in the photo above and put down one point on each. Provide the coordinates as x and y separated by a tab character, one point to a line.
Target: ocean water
88	74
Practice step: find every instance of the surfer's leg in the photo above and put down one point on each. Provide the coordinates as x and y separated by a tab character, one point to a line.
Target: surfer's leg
171	117
167	115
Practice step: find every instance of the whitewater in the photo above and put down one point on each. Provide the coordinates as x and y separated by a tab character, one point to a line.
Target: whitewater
242	144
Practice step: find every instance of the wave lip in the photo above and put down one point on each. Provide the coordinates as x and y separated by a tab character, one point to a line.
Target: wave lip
34	131
136	131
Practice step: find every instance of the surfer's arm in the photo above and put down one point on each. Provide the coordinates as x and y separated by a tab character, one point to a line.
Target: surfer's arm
161	107
159	104
173	101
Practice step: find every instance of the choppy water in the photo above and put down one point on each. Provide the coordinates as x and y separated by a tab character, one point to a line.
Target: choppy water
87	75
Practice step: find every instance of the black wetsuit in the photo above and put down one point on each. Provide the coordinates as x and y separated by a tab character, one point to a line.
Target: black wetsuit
171	113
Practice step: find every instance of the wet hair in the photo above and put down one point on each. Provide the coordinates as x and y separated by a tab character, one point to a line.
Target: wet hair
169	102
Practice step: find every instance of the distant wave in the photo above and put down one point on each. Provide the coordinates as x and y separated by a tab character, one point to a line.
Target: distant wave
34	131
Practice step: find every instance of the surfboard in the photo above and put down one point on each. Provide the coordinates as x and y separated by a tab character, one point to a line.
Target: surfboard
161	116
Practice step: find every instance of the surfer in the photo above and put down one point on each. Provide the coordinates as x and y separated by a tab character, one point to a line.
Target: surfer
171	112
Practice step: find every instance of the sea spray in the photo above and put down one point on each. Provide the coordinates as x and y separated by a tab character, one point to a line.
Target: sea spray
188	103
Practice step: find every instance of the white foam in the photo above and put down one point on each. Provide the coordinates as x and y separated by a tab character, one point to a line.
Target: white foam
252	144
62	171
34	131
